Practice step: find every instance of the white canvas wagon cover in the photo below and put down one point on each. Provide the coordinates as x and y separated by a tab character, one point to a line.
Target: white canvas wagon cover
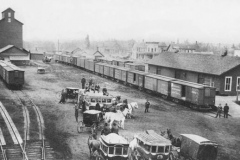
114	138
151	138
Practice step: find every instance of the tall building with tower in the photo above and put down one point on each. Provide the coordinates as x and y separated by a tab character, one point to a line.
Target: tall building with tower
11	32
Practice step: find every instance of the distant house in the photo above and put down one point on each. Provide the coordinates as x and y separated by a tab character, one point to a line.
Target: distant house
181	48
147	50
221	72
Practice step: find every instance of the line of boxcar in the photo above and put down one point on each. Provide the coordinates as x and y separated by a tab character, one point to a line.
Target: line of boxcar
193	95
11	75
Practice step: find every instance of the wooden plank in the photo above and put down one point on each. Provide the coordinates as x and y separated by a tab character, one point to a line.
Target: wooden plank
8	126
11	125
2	140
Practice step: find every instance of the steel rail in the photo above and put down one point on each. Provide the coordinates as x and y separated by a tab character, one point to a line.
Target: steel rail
23	151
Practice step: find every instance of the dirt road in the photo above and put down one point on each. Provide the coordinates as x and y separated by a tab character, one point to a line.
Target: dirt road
60	122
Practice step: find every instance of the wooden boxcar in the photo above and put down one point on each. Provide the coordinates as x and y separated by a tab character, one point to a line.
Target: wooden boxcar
159	84
12	75
56	57
120	63
64	58
69	60
74	62
135	66
136	78
91	65
121	74
196	96
80	62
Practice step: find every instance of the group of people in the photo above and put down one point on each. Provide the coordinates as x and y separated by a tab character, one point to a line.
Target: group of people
225	110
90	85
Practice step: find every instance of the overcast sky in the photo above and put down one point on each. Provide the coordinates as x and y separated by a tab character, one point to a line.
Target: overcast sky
216	21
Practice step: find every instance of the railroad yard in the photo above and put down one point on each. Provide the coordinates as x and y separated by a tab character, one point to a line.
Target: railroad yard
43	90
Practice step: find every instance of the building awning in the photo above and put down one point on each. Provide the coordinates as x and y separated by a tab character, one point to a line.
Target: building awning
19	58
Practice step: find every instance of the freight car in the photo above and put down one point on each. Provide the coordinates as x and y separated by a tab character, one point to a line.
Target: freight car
194	95
11	75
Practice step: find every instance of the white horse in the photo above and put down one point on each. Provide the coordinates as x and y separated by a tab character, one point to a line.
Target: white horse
131	107
119	117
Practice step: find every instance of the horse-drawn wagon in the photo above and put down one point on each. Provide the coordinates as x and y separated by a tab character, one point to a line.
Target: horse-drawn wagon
113	147
149	145
91	121
195	147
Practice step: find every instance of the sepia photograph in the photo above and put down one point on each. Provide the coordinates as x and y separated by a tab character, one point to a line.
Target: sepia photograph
119	80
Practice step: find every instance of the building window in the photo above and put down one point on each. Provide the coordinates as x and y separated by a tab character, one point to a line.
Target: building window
9	14
228	83
155	49
238	84
3	15
152	49
9	20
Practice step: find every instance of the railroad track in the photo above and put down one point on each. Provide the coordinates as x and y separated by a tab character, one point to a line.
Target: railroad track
17	150
35	147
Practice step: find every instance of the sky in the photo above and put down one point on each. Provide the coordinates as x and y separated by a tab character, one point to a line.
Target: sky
211	21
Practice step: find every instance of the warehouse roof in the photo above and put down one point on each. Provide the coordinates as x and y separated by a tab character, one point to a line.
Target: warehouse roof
210	64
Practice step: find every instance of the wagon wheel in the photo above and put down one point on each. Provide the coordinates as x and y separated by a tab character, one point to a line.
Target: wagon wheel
171	156
80	127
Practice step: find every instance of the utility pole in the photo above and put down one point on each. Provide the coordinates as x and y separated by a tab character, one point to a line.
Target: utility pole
237	92
58	46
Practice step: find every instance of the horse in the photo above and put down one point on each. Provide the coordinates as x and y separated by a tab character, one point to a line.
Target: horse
119	117
93	144
131	107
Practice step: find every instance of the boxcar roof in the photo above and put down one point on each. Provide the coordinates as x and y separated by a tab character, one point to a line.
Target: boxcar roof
139	72
161	77
187	83
135	64
72	88
196	138
150	137
92	112
114	138
122	68
8	68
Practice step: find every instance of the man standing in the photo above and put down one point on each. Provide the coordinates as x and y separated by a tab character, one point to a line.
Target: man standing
226	109
219	111
76	112
90	82
147	105
98	107
83	81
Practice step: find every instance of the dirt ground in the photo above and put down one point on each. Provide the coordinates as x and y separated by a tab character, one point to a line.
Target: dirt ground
61	127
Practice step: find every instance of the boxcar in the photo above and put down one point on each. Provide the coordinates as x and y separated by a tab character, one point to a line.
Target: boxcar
13	76
91	65
80	62
196	96
57	57
159	84
120	63
64	58
136	78
121	74
69	60
74	62
106	70
135	66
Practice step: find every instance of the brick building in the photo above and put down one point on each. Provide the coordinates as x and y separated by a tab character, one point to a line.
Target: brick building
221	72
11	39
10	30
